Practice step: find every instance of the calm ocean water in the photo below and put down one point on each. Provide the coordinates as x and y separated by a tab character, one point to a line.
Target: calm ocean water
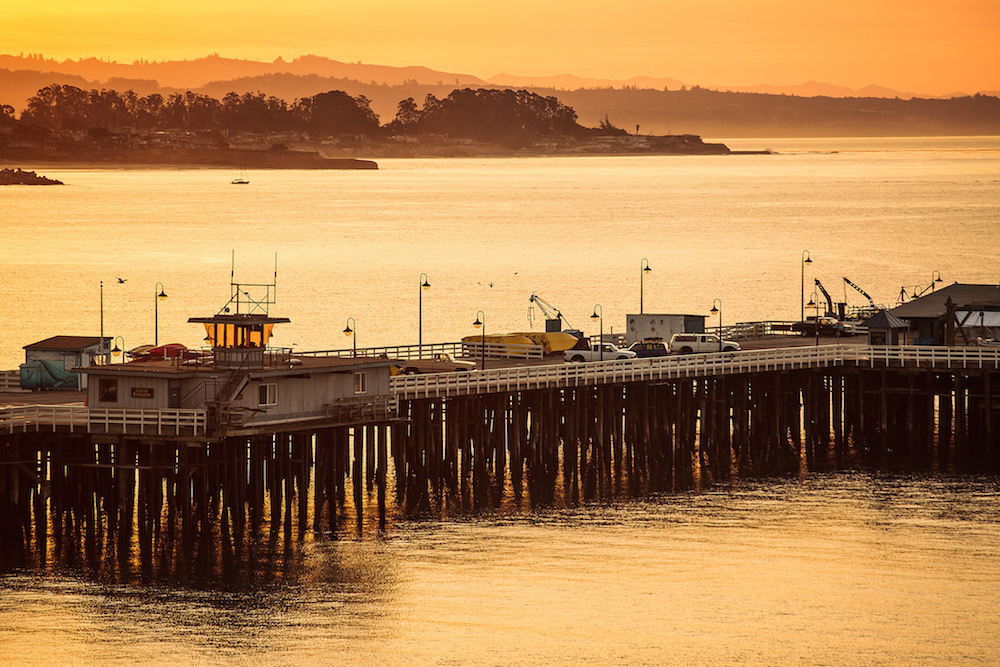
848	569
489	233
840	569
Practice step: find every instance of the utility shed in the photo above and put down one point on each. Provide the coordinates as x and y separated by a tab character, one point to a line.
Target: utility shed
884	328
52	363
933	318
641	326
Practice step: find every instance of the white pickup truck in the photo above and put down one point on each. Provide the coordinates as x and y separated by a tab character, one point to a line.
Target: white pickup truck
688	343
597	352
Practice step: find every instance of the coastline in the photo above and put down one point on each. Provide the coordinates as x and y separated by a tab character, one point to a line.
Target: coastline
182	158
18	176
341	154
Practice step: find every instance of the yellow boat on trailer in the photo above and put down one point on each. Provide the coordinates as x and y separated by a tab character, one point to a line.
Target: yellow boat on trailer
551	342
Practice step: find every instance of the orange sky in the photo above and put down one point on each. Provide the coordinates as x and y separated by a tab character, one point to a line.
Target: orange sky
923	46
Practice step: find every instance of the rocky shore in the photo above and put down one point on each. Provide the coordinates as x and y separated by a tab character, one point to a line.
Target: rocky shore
338	154
20	177
185	157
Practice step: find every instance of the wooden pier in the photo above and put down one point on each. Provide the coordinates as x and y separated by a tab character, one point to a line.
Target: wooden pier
150	489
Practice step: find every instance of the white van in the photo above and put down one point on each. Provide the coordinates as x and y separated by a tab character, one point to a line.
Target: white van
690	343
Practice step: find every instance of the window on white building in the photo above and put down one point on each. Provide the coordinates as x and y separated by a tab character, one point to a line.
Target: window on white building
361	383
268	394
107	391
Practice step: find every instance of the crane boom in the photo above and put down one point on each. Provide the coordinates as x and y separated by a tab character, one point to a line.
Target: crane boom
550	311
871	302
829	301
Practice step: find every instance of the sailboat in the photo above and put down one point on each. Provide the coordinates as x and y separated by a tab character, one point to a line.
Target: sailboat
242	180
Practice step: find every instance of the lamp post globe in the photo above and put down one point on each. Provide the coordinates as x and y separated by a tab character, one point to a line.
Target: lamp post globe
643	269
348	331
423	284
481	323
599	316
802	299
717	308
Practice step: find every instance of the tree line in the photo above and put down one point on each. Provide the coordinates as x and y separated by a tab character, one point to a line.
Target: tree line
498	116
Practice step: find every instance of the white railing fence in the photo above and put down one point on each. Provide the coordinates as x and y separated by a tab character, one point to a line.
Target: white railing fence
695	365
523	378
27	418
465	350
10	381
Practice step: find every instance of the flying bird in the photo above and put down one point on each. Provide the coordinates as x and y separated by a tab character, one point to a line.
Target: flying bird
122	280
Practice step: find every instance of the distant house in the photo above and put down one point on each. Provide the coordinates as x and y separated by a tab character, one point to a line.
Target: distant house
884	329
958	313
52	363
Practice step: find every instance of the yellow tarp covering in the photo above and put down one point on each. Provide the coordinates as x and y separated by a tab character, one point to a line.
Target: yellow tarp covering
509	339
552	342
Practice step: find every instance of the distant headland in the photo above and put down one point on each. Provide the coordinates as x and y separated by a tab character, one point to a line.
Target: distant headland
21	177
66	125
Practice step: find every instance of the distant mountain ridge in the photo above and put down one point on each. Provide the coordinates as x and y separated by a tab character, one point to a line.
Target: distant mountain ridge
192	74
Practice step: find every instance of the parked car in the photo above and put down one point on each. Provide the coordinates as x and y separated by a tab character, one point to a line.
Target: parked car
597	352
691	343
441	362
651	347
824	326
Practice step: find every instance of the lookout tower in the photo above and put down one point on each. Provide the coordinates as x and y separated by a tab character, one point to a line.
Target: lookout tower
240	331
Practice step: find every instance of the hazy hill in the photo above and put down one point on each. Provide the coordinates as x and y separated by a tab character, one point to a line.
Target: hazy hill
657	106
573	82
192	74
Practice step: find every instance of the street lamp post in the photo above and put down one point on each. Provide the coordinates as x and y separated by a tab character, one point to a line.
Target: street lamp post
814	303
349	331
119	350
422	281
104	354
802	300
600	316
717	308
643	268
481	322
159	295
935	278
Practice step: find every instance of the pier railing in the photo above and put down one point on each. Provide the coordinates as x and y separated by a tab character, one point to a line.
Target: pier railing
72	418
752	330
469	350
10	381
695	365
170	422
393	352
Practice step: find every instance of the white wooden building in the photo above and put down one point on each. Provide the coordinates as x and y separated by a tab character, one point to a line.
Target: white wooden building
246	387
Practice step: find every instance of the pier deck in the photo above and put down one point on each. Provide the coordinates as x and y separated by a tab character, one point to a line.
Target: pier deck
64	411
582	431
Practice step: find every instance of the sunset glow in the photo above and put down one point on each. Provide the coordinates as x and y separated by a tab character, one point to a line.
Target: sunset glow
920	46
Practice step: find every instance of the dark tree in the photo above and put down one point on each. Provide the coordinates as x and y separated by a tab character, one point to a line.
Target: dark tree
497	116
7	118
336	112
